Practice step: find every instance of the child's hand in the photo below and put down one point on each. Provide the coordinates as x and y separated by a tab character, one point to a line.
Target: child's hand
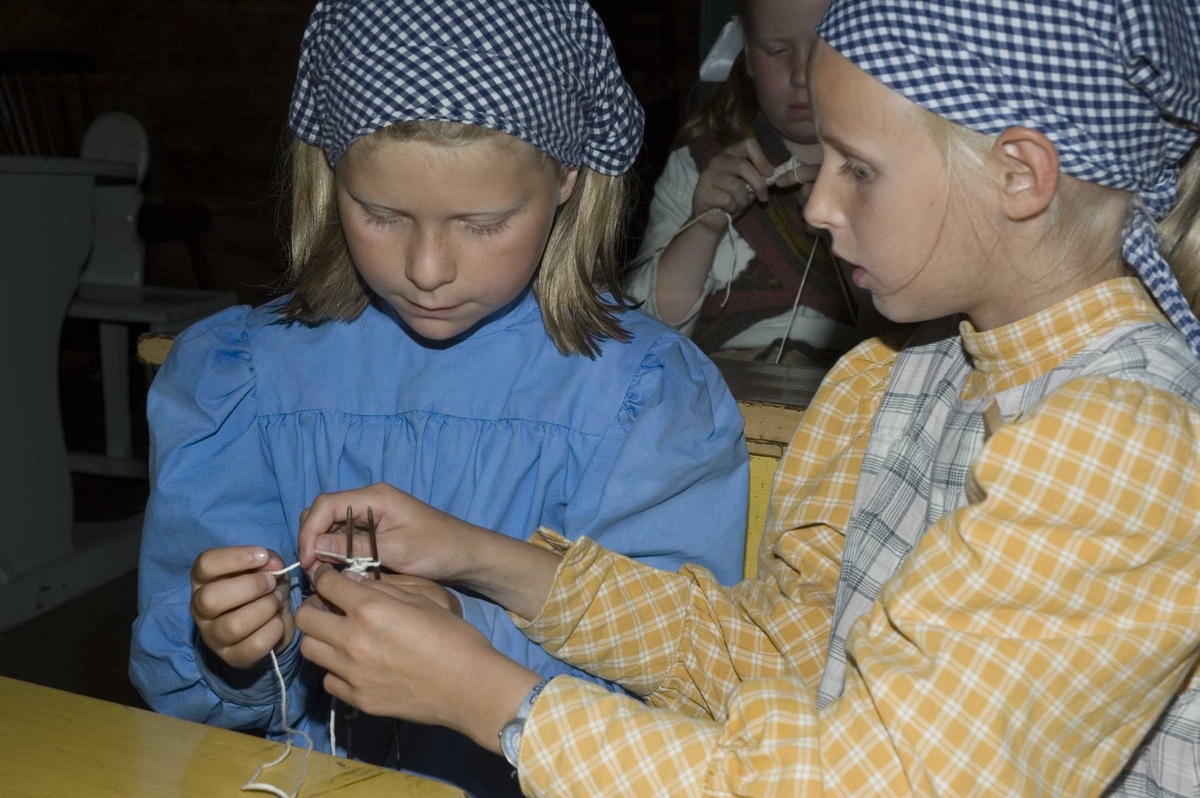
396	653
416	586
413	537
733	179
241	610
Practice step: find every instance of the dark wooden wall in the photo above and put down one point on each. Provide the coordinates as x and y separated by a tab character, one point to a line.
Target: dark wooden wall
210	80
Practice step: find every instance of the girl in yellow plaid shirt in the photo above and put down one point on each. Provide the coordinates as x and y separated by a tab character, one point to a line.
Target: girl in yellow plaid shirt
981	574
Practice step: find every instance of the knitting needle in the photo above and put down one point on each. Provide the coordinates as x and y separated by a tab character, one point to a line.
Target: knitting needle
349	533
374	542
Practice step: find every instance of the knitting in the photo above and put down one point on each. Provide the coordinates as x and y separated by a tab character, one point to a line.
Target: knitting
355	565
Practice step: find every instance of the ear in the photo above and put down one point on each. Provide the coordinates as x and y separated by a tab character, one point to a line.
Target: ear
566	186
1028	166
747	61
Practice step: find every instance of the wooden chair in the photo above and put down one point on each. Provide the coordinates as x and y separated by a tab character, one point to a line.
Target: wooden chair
772	400
111	291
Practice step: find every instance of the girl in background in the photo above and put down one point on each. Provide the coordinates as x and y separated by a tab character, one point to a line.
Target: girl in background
733	292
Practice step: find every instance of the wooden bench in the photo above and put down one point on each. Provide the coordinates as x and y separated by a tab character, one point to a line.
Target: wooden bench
772	399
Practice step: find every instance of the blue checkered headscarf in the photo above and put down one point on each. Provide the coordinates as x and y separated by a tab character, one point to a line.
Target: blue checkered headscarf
1115	84
541	70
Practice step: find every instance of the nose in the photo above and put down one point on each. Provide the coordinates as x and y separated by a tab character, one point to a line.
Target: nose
430	260
799	67
822	208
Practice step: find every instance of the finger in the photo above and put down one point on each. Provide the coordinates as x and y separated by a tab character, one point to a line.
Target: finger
257	645
234	627
339	688
395	591
729	203
226	560
807	173
214	599
322	654
316	602
407	580
339	589
328	511
757	183
321	623
753	151
737	184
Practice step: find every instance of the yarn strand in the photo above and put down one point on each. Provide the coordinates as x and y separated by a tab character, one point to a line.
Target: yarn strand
355	565
254	785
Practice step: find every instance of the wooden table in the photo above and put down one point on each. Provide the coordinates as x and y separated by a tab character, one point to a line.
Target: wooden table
59	745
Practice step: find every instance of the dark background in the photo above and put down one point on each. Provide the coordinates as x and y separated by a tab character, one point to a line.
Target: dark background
210	81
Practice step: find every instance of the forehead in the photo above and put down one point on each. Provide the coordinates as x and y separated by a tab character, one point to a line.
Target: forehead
850	104
785	18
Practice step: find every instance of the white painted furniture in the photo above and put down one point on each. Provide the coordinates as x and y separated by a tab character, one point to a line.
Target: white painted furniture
46	209
111	291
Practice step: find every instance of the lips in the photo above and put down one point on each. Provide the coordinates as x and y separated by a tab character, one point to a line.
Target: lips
431	312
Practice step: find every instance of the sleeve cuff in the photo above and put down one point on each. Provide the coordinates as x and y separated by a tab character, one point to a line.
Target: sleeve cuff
553	621
252	687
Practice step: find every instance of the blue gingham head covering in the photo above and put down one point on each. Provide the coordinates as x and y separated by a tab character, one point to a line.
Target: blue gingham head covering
1115	84
541	70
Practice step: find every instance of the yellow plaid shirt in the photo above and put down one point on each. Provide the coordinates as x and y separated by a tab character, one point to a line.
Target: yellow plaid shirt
1026	645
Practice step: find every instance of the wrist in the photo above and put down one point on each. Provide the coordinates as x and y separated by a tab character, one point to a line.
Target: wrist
497	697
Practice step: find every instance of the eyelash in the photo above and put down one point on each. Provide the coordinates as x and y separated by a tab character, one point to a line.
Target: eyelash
477	229
380	221
489	229
855	171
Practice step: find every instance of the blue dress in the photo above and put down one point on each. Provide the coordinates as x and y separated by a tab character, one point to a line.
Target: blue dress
640	449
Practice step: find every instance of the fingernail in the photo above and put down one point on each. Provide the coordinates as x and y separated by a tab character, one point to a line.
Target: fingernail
260	556
271	582
354	576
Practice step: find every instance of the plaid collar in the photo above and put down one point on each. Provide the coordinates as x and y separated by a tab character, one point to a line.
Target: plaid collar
1017	353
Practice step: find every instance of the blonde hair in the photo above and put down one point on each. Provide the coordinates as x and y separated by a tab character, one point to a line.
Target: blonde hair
1179	232
578	264
1085	215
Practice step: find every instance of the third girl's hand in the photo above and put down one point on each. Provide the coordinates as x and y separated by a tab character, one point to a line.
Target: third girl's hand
733	179
413	537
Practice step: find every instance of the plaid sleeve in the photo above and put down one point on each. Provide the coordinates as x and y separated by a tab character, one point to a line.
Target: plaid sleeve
1026	646
704	639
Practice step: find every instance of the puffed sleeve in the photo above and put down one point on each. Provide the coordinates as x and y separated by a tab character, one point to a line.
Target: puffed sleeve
212	485
667	485
670	209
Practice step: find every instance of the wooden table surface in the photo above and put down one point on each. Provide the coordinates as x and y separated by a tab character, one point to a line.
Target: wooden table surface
59	745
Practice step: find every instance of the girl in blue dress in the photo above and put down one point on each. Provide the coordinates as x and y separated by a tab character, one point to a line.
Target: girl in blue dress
453	329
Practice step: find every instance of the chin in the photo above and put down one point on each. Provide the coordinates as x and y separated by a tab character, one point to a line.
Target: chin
437	329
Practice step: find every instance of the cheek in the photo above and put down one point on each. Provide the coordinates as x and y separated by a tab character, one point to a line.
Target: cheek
369	248
504	263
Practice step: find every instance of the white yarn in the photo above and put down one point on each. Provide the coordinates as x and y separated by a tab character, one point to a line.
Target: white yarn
355	565
796	305
790	165
254	784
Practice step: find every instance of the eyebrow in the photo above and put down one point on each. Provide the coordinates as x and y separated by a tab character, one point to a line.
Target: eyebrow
495	212
839	144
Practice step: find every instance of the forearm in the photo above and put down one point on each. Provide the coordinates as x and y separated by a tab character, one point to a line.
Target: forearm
512	573
683	269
